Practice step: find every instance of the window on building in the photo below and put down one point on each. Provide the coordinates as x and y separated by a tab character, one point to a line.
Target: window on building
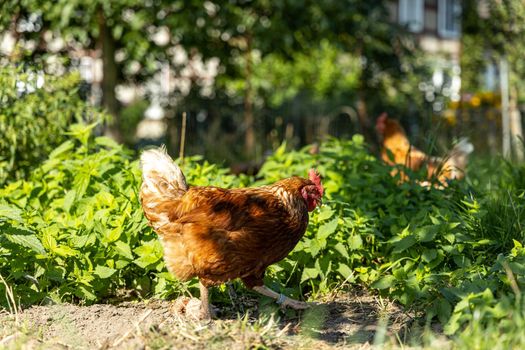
411	14
449	12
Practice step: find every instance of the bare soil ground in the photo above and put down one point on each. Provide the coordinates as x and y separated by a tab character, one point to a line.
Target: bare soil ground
341	321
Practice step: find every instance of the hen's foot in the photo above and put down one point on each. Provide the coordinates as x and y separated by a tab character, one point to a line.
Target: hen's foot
282	300
295	304
193	308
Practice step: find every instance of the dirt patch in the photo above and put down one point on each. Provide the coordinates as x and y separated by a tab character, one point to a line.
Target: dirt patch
344	319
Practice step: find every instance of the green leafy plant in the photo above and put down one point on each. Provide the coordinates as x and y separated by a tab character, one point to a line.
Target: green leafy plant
35	112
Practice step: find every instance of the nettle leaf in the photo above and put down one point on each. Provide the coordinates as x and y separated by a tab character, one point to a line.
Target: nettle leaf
355	242
309	273
65	251
105	198
28	241
49	241
112	235
340	247
149	253
106	142
403	244
444	310
81	183
325	213
63	148
123	249
345	271
10	212
104	271
327	229
69	199
315	246
427	233
429	255
384	282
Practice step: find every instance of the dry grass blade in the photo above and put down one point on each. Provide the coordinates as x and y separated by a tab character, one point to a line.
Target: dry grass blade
512	280
10	299
10	337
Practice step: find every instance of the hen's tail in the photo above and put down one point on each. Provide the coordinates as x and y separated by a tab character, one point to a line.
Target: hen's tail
457	158
160	175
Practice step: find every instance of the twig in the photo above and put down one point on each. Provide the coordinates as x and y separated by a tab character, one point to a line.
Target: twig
125	335
182	138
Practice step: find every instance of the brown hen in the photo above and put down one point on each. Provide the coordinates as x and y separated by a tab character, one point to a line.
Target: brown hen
395	142
219	234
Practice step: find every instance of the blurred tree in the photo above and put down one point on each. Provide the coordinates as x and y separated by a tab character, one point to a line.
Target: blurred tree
321	56
243	32
123	30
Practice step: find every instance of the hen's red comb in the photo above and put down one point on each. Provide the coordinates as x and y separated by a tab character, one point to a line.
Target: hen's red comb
315	177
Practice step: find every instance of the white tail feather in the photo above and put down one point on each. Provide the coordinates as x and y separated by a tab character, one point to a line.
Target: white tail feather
463	146
159	170
458	158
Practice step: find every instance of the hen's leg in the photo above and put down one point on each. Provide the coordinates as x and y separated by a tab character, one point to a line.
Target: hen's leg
205	302
281	299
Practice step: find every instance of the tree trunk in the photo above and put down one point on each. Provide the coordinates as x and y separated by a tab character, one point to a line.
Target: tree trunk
249	136
516	131
109	77
364	120
505	118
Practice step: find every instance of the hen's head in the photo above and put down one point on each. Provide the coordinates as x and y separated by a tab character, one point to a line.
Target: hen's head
312	194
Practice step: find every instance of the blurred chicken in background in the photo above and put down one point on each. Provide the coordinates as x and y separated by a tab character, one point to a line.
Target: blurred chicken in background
396	149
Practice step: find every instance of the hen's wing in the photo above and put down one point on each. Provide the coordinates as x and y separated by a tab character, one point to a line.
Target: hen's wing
224	234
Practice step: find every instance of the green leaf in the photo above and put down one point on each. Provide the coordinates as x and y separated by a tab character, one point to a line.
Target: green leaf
104	271
69	199
444	310
112	235
344	270
64	147
384	282
429	255
327	229
325	213
427	233
340	247
65	251
106	142
28	241
315	246
309	273
10	212
355	242
123	249
403	244
146	260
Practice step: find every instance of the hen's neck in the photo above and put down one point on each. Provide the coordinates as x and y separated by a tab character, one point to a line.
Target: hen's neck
293	202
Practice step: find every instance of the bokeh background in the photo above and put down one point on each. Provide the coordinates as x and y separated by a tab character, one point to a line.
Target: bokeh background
251	75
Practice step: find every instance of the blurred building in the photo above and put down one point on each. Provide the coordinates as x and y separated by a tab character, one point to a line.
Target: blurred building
437	27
